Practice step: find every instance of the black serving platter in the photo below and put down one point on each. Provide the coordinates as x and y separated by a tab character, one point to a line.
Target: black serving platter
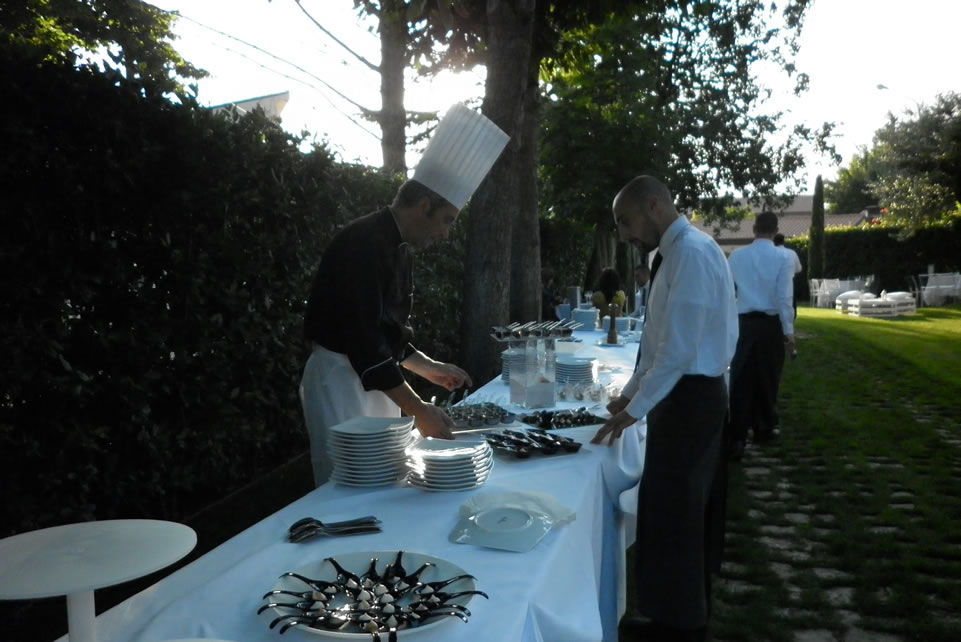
554	419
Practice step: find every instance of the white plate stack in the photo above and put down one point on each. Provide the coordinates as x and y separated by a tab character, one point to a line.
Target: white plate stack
588	317
370	451
448	465
576	370
508	359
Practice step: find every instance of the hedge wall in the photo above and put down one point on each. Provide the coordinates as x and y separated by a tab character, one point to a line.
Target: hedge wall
854	251
153	270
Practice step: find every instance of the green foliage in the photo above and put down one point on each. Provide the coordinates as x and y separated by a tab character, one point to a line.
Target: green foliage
130	36
852	192
885	251
816	251
913	170
153	268
668	93
926	142
914	199
566	249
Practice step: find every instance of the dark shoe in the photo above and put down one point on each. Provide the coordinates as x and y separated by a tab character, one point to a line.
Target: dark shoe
686	635
639	629
767	437
736	451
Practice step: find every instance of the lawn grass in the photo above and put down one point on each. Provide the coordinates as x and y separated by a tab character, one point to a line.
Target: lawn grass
853	519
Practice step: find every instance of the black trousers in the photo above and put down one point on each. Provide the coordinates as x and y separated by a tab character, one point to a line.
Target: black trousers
755	376
678	513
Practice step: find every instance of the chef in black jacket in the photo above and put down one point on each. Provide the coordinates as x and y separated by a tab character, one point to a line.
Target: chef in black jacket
358	313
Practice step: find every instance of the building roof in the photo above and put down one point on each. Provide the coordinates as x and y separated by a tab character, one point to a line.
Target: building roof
793	220
272	104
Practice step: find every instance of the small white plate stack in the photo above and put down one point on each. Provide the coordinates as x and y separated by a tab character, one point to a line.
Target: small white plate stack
370	451
587	318
576	370
508	359
449	465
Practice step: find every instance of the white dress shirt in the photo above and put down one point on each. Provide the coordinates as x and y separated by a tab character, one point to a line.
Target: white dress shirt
691	318
640	298
764	281
792	258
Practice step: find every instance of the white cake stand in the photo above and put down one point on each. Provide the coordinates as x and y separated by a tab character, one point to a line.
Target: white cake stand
75	559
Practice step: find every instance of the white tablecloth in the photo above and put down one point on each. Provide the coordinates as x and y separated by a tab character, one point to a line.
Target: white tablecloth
569	587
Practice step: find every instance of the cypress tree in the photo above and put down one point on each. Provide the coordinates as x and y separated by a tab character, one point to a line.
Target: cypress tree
816	245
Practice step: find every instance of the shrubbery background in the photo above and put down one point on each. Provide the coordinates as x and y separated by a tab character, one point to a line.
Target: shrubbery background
884	252
154	265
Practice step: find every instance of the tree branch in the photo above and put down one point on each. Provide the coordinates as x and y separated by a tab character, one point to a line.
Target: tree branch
356	55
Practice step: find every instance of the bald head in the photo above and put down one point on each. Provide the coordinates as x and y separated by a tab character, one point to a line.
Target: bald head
643	210
643	188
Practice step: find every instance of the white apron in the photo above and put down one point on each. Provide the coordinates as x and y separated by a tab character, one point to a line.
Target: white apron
331	393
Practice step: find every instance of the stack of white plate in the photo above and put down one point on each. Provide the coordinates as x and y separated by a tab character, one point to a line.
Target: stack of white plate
588	317
571	369
370	451
440	464
509	358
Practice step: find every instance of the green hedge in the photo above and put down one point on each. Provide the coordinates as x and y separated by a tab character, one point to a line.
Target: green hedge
855	251
154	266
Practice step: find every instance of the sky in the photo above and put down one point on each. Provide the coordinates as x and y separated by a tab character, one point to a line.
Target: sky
865	59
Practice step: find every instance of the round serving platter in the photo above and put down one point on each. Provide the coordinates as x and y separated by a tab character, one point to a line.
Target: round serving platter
358	564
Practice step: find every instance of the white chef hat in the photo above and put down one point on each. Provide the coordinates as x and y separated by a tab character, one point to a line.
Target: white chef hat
459	155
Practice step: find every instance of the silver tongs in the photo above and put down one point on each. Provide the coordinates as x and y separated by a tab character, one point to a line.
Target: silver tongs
309	527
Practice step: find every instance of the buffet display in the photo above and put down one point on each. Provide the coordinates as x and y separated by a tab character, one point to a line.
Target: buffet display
354	597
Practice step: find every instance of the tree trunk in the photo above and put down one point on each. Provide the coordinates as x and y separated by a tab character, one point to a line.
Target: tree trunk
816	251
493	207
526	286
393	60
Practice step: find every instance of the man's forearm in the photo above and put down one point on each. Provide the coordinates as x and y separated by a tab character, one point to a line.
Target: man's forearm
406	399
418	363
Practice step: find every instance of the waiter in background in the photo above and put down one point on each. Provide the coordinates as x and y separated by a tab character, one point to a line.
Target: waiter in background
687	344
795	263
765	289
358	313
642	280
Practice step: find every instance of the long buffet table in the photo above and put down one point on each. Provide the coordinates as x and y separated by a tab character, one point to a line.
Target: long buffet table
569	587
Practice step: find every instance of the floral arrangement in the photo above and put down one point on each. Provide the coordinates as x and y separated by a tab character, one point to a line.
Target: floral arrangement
601	302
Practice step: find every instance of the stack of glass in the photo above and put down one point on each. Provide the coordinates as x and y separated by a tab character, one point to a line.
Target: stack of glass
532	373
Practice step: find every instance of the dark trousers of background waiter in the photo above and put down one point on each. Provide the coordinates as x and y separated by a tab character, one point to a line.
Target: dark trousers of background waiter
755	377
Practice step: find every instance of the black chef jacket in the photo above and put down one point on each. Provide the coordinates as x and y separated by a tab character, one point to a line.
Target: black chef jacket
361	299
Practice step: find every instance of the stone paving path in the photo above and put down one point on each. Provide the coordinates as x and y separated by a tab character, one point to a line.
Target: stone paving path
812	595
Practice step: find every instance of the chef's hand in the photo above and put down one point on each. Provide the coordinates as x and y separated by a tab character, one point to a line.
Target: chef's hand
617	405
447	375
613	427
431	421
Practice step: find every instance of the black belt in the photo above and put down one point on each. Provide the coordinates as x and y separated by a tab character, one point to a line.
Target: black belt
758	315
699	377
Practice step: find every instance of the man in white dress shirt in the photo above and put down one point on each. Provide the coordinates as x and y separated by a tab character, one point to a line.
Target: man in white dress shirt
765	290
793	260
687	344
642	286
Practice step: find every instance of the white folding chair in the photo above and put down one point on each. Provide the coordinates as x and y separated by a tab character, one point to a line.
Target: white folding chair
814	286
